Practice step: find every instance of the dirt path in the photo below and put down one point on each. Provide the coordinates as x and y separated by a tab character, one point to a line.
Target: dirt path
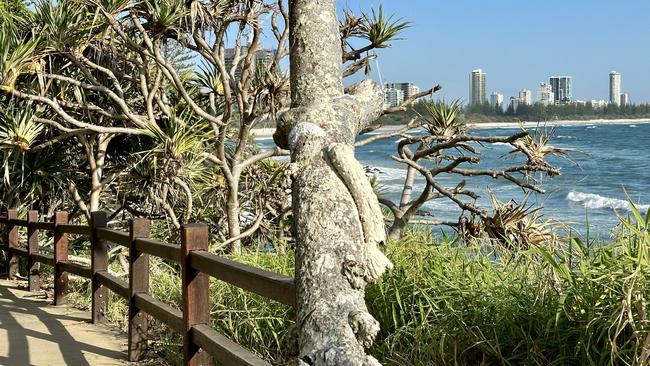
33	332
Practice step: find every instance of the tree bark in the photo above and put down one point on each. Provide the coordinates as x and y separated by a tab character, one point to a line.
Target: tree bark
396	229
337	219
232	214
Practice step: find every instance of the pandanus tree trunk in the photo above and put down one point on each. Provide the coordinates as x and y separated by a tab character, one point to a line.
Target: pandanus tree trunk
338	224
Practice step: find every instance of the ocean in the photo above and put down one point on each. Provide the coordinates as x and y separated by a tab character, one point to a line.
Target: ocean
605	162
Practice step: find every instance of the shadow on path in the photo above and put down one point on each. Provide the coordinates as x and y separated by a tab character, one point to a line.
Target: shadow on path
54	335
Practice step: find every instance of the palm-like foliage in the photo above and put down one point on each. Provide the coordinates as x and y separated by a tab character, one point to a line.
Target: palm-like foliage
209	80
178	146
17	55
67	25
162	16
18	129
536	146
444	119
379	29
511	225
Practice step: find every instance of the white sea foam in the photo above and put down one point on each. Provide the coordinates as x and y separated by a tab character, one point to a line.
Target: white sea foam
391	173
502	144
566	137
634	126
591	127
263	138
595	201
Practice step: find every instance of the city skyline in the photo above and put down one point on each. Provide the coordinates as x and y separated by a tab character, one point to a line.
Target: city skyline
518	47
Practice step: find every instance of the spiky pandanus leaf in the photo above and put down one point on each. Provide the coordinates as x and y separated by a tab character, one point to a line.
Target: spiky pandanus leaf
380	29
512	225
18	129
444	119
66	25
17	55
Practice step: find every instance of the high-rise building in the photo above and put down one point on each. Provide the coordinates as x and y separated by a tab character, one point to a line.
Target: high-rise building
561	89
625	99
409	89
393	97
514	103
262	57
496	100
525	97
545	94
477	87
615	87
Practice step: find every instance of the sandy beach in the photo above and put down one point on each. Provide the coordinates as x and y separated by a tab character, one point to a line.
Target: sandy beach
268	132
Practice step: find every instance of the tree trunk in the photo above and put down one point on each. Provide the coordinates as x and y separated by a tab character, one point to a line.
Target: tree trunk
95	147
232	214
408	187
397	228
338	223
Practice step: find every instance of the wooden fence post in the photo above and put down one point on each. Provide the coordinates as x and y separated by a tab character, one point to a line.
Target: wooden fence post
98	263
138	283
60	255
12	242
196	301
33	275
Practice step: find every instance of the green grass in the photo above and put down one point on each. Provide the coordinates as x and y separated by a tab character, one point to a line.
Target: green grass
447	304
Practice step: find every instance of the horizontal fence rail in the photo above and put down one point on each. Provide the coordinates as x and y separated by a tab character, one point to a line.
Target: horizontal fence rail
201	343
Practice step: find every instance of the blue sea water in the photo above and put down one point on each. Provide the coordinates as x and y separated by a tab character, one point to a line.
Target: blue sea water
605	162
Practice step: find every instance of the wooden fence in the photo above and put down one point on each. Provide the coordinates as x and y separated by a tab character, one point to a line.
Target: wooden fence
201	343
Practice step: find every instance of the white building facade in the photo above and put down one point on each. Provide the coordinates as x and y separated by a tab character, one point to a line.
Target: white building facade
393	97
408	89
625	99
545	95
525	97
496	100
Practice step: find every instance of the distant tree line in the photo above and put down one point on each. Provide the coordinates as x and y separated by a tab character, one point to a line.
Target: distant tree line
536	112
539	112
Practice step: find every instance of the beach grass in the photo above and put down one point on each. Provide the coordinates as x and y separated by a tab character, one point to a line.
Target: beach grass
445	303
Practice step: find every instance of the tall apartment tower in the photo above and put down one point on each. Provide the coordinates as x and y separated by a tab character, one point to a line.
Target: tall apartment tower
545	94
477	87
615	87
561	86
525	97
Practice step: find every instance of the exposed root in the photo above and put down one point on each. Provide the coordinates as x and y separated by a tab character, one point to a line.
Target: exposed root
370	215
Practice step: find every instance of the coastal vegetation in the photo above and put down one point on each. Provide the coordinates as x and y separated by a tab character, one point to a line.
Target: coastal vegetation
535	113
448	148
134	108
572	302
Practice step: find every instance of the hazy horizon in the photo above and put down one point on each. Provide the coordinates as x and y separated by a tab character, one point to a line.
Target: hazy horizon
518	45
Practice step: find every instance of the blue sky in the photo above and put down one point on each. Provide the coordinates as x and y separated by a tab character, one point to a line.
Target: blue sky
519	44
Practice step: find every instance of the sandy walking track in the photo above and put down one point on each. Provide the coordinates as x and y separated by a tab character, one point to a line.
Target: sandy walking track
33	332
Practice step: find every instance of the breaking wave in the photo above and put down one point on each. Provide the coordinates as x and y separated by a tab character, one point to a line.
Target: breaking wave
595	201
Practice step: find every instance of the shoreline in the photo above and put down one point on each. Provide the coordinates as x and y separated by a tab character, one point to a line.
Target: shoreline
568	122
268	132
